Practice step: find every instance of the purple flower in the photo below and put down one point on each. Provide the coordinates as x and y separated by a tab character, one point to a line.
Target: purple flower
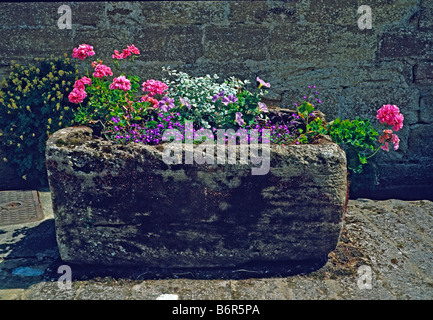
115	120
231	98
217	96
185	103
239	119
166	104
263	107
263	84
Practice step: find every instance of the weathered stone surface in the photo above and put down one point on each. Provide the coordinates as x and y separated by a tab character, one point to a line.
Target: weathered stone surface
121	205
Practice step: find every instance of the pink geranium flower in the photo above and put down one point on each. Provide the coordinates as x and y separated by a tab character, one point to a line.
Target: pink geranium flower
389	136
131	49
154	87
101	70
81	82
77	95
148	98
121	83
390	115
83	51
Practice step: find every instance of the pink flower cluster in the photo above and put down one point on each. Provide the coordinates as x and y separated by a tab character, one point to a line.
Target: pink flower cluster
121	83
387	137
148	98
101	70
78	94
390	114
83	51
126	52
154	87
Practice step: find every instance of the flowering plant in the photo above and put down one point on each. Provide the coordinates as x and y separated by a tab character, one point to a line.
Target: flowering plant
357	137
127	113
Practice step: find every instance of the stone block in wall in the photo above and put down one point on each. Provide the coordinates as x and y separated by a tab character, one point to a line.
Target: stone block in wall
181	12
89	14
423	73
167	43
257	12
391	14
426	16
426	109
349	44
402	43
28	14
31	43
336	12
238	42
298	42
420	142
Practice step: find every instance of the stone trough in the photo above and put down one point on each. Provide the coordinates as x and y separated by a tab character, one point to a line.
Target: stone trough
122	205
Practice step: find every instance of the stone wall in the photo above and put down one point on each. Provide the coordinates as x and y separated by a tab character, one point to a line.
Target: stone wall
291	44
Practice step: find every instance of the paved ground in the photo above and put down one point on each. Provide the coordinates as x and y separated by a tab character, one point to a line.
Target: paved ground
386	252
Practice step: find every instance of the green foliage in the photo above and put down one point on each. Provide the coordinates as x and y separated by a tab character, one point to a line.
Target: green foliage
104	103
356	137
33	105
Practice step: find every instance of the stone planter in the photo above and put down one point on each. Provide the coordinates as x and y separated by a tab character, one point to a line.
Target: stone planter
123	205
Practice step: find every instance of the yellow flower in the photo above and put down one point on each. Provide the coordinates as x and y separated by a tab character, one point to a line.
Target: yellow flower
5	159
21	137
60	124
49	120
19	145
61	73
37	70
24	177
28	108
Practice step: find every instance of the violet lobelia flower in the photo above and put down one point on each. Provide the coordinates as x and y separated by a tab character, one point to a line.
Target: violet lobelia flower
238	119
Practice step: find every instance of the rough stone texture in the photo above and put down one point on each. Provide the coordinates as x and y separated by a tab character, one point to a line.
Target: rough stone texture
393	237
120	205
290	44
